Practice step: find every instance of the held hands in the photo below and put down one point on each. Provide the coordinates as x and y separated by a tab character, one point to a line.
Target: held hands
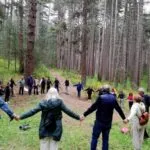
125	121
82	118
16	117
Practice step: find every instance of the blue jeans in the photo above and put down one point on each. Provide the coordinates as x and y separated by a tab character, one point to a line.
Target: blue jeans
97	130
79	93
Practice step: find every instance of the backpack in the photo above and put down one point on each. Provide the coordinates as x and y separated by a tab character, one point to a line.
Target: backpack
144	118
50	121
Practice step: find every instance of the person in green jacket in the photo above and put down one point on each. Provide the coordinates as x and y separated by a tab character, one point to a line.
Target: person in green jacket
50	130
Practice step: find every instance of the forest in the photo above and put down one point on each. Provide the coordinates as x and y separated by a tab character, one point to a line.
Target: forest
94	42
107	39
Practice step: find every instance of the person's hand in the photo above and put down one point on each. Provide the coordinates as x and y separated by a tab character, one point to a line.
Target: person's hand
16	117
125	121
82	117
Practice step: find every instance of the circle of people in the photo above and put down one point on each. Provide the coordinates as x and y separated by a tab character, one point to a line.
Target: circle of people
50	130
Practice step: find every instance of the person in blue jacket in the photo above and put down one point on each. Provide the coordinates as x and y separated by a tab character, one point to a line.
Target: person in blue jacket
104	107
79	88
4	106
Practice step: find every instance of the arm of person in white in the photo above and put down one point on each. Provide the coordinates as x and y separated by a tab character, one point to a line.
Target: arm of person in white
132	112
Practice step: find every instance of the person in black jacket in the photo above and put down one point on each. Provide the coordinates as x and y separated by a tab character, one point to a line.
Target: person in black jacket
7	92
12	84
49	83
67	85
50	129
56	84
104	106
43	83
146	100
89	92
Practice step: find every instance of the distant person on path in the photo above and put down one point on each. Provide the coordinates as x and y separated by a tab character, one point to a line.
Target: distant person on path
56	84
100	91
50	130
67	83
137	130
12	84
7	92
146	101
21	86
79	88
130	100
121	98
104	106
113	92
30	82
43	84
89	92
36	86
49	83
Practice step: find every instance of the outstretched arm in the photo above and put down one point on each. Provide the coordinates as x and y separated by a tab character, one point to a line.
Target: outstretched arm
92	108
30	112
119	110
6	109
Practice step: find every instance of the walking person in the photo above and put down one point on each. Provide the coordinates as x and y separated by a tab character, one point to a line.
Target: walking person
49	83
104	106
89	92
36	86
50	130
43	84
67	83
79	87
146	101
21	86
121	98
137	130
56	84
130	100
7	92
12	84
30	82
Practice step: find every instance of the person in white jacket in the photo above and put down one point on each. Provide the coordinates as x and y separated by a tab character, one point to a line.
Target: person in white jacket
137	130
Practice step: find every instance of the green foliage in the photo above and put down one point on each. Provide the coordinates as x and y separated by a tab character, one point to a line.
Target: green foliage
41	71
6	74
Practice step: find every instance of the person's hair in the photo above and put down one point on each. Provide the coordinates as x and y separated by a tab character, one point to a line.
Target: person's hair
141	90
130	94
106	88
137	98
52	94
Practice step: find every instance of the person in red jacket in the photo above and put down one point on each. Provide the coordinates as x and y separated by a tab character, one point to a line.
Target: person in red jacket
130	100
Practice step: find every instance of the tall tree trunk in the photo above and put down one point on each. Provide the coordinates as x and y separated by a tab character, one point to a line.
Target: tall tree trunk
84	43
21	51
29	65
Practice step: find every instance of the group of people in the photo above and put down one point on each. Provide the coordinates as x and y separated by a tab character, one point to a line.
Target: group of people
50	130
31	85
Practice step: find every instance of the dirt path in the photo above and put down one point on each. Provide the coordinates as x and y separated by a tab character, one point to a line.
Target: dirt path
71	100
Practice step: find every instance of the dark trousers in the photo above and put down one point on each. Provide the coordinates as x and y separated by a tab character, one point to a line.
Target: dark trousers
12	91
130	105
48	87
42	90
89	96
79	93
29	90
57	88
97	130
21	90
36	90
7	97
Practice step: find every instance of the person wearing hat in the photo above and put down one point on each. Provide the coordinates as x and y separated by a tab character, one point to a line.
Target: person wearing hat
104	106
146	100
